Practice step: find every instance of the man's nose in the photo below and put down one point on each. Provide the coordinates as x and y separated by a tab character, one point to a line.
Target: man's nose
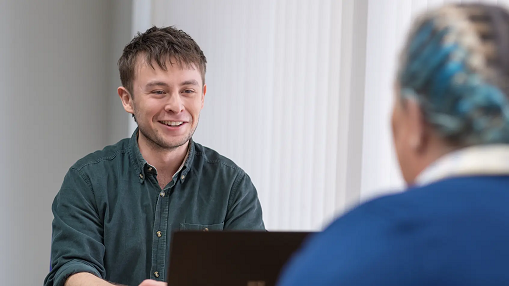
174	104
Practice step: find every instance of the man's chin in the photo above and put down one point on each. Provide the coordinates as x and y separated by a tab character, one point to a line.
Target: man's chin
174	144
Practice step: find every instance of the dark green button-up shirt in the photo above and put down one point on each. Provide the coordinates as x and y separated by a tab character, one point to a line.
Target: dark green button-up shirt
112	219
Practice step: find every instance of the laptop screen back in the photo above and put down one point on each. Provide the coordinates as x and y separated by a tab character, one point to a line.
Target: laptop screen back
244	258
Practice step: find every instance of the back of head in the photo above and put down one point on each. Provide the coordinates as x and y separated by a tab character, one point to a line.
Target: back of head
160	46
456	65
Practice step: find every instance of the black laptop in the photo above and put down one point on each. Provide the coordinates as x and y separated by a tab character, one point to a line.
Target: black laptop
232	258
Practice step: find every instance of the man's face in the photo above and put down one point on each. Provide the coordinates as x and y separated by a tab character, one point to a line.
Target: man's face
166	104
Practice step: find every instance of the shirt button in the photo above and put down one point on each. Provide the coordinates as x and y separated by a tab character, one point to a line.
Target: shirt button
156	274
141	176
150	169
162	194
182	177
206	229
159	233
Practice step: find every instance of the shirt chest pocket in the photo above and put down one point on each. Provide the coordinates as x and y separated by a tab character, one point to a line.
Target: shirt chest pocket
203	227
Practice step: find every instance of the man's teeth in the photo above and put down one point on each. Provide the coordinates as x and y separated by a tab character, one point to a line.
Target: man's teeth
172	123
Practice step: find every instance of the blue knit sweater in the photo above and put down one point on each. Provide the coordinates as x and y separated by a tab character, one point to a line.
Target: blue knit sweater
452	232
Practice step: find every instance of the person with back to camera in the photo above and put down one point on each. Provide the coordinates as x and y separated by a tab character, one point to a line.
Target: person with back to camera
450	126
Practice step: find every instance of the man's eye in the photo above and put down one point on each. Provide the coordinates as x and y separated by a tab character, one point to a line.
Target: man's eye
158	92
188	90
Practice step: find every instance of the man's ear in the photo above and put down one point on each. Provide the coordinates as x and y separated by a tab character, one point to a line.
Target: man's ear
418	137
203	95
127	100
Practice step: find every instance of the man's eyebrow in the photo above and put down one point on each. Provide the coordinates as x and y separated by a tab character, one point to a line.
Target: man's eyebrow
156	83
190	82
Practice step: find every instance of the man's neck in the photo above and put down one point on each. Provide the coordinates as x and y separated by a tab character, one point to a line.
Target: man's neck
165	161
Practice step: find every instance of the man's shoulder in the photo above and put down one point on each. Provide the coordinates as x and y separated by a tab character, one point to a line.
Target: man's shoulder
210	156
107	154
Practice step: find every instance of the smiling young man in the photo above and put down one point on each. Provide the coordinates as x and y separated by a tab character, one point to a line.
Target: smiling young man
117	208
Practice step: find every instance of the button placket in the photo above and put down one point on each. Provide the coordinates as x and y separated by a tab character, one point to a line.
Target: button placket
160	227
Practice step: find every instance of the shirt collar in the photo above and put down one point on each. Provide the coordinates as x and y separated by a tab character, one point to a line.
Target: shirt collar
185	158
469	161
141	165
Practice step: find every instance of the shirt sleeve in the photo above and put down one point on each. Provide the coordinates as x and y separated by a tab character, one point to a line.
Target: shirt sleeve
77	231
244	209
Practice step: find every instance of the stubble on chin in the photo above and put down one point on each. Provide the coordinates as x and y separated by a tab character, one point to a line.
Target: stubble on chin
157	141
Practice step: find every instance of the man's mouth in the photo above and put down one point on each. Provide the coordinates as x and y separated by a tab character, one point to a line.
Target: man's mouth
172	123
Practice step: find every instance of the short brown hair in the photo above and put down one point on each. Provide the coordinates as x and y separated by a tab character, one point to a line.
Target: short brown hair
160	45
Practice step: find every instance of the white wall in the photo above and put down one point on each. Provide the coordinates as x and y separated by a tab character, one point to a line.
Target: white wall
120	34
56	88
4	182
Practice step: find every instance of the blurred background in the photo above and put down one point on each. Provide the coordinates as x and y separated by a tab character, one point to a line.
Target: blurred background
299	95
